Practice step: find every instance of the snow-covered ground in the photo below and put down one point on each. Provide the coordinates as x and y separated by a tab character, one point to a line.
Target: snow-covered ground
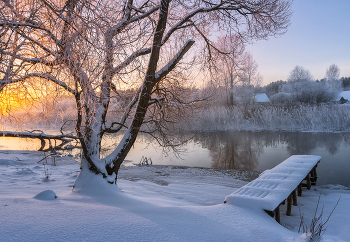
344	94
154	203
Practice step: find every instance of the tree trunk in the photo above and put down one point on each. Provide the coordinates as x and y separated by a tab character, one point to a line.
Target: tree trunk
109	166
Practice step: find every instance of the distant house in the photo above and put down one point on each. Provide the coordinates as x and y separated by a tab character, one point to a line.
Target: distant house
345	95
261	98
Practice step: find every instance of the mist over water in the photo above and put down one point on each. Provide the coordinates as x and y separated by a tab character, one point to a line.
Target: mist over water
256	151
242	150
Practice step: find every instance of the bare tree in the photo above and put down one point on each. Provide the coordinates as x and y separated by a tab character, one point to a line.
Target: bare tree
228	66
250	75
234	66
332	76
90	48
301	88
299	74
332	73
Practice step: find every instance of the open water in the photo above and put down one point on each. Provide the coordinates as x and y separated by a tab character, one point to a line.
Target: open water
242	150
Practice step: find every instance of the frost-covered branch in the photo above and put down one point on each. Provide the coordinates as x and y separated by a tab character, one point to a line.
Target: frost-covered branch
187	18
131	58
30	60
155	100
122	121
31	25
128	20
172	63
44	76
33	41
144	15
37	134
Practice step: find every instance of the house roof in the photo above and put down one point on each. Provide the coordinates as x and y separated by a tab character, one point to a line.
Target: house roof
261	98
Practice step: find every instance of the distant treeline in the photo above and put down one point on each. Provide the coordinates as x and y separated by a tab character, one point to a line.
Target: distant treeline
274	87
302	117
345	82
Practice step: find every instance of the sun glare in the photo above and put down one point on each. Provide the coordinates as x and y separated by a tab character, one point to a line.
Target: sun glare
12	100
30	96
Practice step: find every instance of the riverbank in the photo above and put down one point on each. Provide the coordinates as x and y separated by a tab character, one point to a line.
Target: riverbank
156	203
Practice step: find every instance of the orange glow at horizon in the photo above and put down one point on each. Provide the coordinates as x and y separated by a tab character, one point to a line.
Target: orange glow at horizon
12	100
25	96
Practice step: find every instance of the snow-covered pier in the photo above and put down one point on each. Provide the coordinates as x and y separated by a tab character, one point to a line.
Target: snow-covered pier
273	187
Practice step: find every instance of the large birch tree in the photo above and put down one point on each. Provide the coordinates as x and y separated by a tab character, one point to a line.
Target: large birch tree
89	47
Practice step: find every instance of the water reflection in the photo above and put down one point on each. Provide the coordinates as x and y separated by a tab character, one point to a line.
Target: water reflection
305	143
243	150
232	150
258	151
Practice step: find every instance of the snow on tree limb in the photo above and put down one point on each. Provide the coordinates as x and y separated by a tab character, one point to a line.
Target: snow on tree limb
30	60
31	25
122	121
37	134
128	20
172	63
44	76
131	58
181	22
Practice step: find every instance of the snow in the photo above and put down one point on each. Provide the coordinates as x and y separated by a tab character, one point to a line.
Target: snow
153	203
274	186
344	94
46	195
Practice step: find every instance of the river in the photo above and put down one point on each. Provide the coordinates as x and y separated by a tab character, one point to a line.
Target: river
242	150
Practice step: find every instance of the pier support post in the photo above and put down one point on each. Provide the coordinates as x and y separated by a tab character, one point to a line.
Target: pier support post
289	205
295	202
300	190
277	214
308	181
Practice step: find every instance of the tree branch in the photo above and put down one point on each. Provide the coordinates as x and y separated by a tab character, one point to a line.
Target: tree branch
30	60
122	121
44	76
132	57
187	18
40	135
166	69
128	20
31	25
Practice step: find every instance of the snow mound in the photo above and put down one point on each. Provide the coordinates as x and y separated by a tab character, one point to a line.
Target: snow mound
344	94
46	195
94	185
6	162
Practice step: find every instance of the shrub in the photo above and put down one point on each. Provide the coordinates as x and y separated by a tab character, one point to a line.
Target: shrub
281	97
325	117
274	87
310	92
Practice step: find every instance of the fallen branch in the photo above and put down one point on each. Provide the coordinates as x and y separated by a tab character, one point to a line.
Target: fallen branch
38	134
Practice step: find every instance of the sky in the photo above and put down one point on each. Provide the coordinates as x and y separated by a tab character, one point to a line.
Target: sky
318	36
